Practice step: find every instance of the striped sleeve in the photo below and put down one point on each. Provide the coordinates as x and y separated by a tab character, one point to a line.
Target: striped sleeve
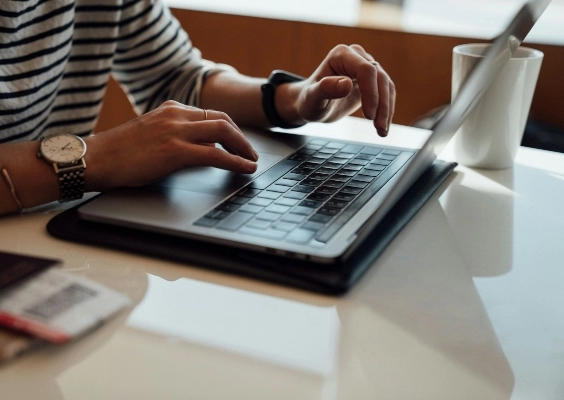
155	60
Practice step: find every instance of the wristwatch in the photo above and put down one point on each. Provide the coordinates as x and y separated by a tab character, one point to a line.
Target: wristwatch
276	78
66	152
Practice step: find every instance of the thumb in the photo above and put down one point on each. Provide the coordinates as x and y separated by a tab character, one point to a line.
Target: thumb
334	87
329	88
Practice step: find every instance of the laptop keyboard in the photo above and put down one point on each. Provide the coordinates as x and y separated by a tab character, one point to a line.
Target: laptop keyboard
310	194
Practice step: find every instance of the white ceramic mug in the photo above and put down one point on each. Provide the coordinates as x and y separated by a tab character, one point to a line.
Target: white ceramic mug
490	136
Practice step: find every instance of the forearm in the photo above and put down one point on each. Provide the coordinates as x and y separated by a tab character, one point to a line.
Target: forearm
240	97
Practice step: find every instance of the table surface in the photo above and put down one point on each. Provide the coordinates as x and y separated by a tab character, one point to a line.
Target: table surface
466	303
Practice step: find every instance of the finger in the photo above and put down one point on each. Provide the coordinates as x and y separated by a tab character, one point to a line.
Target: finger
373	81
218	158
220	131
383	109
179	111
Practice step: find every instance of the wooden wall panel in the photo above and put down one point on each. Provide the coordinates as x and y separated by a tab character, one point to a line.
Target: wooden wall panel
420	65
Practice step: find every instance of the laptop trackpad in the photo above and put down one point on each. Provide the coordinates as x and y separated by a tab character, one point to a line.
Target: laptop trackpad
173	202
215	181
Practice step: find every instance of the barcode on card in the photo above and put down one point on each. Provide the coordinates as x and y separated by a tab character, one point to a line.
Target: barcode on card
61	301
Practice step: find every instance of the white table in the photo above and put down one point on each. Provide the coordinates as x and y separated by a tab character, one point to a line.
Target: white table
466	303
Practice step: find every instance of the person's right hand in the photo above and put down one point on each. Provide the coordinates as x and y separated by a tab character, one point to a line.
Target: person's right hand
171	137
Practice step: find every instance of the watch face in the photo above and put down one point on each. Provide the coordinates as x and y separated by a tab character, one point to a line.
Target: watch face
63	148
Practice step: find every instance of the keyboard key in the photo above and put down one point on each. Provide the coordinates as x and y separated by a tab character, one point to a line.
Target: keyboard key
299	157
238	200
301	210
347	172
363	178
229	207
312	226
311	182
300	236
333	184
303	189
268	233
357	161
285	182
320	175
381	161
344	155
326	172
294	177
316	142
375	167
293	218
335	145
337	203
323	218
364	157
339	161
209	222
285	201
357	184
318	196
326	190
284	226
267	194
328	150
307	151
344	196
392	152
259	201
259	224
310	203
268	216
295	195
329	167
311	165
352	167
278	188
385	156
332	211
277	208
322	155
340	178
248	192
217	214
369	172
352	148
302	171
371	150
351	190
235	221
252	209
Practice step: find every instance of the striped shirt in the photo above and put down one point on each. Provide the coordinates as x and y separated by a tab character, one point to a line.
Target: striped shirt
56	57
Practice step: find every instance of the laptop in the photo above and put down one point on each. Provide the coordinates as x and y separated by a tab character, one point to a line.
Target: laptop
311	199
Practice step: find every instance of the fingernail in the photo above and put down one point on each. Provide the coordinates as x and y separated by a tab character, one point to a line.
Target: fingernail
256	155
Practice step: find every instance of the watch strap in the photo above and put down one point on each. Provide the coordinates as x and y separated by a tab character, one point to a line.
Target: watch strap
276	78
71	182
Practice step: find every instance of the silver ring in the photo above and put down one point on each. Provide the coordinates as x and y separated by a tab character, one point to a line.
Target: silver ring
205	114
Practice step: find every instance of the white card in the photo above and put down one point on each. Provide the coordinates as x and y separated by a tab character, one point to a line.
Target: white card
58	306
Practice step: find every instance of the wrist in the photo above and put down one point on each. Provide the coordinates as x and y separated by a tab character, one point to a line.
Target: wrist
286	103
280	96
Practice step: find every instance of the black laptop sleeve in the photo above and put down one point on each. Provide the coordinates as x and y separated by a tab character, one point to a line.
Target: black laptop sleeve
332	279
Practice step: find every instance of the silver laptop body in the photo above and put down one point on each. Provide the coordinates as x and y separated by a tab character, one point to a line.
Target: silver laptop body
279	209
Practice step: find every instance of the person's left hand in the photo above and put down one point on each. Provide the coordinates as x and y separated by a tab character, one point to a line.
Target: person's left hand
348	78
